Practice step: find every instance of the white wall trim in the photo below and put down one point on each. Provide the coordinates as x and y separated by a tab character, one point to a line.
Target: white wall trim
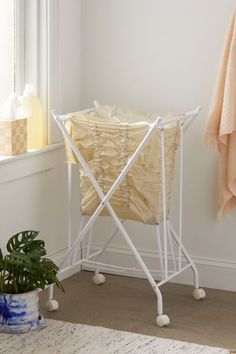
214	273
19	46
42	56
28	164
53	59
58	258
30	153
31	40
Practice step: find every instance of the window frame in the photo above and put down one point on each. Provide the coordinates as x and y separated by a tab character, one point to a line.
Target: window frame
19	70
36	55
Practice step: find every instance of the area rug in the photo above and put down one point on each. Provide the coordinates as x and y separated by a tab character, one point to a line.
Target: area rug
69	338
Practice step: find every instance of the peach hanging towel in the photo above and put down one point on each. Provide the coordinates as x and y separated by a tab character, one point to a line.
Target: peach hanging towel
221	128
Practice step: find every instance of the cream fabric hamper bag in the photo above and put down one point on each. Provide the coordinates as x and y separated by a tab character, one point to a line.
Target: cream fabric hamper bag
107	138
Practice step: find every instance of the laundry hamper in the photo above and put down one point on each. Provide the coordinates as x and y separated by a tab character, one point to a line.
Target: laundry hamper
127	165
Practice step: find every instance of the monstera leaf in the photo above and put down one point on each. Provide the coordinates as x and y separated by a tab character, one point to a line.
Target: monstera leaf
24	268
35	249
17	259
22	239
1	261
47	272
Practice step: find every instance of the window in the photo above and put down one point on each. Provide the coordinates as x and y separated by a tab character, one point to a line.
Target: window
11	47
23	50
7	48
28	31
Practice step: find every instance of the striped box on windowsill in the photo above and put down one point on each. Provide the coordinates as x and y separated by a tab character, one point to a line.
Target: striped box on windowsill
13	136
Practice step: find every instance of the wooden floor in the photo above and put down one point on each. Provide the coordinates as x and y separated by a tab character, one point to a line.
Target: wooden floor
129	304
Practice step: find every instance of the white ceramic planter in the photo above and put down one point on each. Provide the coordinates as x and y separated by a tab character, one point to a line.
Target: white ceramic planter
19	313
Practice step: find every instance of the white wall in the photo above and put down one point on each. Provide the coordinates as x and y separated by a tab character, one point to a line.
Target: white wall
33	198
162	56
68	55
64	59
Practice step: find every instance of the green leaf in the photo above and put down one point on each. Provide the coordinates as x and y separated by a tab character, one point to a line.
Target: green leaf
24	268
20	240
48	265
17	259
35	249
1	261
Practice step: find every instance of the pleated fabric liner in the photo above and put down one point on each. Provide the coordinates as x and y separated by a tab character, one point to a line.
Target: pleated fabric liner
70	338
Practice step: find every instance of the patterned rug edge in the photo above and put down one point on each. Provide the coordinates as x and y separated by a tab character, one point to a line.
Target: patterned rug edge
67	337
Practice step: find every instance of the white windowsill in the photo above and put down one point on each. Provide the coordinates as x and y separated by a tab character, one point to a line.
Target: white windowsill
30	153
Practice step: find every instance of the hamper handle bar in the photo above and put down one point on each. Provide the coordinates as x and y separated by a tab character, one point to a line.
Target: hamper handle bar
66	116
183	117
186	117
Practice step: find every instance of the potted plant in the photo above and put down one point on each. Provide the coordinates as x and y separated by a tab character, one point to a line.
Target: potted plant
23	271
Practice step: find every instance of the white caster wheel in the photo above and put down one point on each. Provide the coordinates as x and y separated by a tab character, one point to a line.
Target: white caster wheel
162	320
199	294
99	279
52	305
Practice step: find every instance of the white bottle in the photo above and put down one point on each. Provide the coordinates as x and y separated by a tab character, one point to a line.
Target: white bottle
36	137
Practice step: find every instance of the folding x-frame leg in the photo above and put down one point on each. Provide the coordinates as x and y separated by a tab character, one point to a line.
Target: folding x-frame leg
105	203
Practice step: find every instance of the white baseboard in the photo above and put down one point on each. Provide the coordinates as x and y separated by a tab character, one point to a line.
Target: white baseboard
58	258
213	273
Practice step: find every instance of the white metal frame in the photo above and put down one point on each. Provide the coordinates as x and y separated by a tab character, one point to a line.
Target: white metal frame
168	236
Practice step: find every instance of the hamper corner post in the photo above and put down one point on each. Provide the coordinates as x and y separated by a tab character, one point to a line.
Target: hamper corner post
113	196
